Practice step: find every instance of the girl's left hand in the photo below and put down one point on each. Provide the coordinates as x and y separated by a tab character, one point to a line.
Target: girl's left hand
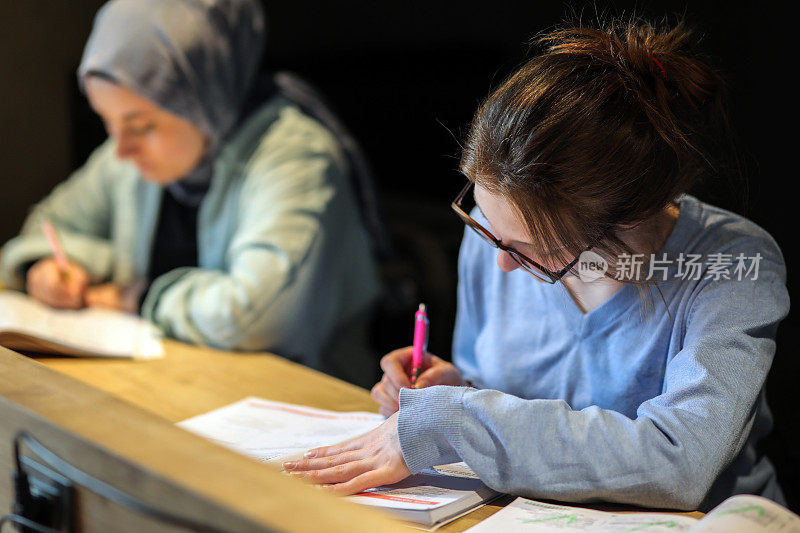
363	463
112	296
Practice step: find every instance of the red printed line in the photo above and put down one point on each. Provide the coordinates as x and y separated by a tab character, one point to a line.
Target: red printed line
304	413
395	498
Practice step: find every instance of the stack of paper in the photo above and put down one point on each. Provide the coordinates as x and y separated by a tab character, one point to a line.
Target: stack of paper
429	498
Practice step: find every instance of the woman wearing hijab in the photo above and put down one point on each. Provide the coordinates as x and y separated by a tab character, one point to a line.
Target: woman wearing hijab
216	208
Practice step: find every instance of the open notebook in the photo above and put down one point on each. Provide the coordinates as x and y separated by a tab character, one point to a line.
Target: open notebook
738	514
28	325
275	432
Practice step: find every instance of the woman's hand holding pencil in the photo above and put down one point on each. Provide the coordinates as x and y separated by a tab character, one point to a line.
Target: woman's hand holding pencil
58	285
56	280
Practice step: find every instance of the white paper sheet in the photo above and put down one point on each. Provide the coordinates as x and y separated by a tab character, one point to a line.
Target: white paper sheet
268	431
101	332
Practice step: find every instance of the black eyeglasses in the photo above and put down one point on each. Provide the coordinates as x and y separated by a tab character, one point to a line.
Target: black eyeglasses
528	264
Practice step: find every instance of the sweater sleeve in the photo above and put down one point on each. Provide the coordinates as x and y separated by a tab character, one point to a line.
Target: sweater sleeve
80	209
275	257
668	456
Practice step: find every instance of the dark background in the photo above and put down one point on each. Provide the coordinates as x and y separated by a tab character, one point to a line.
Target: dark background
406	78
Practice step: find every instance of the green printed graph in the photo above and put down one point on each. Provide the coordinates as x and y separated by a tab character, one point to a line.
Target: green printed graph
569	517
642	527
742	510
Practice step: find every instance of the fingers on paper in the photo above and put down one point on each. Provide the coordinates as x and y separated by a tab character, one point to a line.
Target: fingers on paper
322	462
338	473
326	451
367	480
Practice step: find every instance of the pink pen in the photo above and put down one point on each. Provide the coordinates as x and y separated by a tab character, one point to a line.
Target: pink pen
55	246
420	342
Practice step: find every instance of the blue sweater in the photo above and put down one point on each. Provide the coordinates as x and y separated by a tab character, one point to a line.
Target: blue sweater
626	403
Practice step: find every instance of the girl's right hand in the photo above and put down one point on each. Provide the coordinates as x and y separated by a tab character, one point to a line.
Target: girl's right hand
397	366
57	287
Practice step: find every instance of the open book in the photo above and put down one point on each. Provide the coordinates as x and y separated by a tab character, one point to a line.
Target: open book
276	432
28	325
738	514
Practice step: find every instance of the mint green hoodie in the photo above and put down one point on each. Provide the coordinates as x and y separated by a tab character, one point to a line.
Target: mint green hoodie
284	260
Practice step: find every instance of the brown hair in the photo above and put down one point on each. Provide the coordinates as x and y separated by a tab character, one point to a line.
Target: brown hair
600	131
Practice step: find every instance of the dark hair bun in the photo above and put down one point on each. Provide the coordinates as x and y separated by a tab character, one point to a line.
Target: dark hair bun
649	57
663	68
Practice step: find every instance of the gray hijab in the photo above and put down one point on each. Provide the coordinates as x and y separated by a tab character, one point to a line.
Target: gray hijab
194	58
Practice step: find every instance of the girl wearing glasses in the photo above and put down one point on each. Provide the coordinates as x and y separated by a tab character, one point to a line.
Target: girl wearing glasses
613	341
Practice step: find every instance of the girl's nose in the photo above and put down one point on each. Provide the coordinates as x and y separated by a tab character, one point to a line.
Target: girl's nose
506	262
125	147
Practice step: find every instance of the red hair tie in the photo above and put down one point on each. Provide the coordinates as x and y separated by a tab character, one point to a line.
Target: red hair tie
659	65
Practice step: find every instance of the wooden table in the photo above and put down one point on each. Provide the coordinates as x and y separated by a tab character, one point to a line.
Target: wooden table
192	380
179	476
